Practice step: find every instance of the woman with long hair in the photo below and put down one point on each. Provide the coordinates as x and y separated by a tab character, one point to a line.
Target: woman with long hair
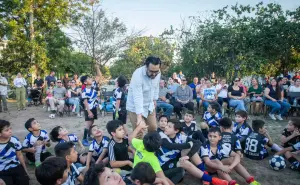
256	92
236	95
275	99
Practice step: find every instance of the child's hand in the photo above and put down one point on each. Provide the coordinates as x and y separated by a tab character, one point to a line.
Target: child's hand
296	132
182	133
184	162
130	164
225	169
142	125
32	150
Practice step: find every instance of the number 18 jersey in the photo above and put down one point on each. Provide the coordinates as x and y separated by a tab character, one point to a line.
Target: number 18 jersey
255	146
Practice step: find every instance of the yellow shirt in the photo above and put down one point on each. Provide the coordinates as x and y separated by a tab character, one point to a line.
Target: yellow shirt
142	155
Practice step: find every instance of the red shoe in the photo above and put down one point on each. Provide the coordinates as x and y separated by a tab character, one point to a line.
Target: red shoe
217	181
232	182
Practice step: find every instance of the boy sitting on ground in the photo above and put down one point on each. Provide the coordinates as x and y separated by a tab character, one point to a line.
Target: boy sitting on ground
241	128
293	158
67	151
291	134
219	158
211	117
98	148
255	146
118	147
146	148
35	142
228	138
189	127
12	165
162	123
52	171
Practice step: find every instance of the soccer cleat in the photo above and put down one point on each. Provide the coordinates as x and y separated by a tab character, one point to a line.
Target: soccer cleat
233	182
255	183
272	116
295	165
278	117
217	181
85	142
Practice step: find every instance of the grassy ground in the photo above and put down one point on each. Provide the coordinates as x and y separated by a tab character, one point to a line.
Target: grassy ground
260	169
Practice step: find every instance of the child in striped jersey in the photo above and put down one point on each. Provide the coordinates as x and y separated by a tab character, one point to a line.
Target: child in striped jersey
162	123
35	142
241	128
98	149
211	118
13	170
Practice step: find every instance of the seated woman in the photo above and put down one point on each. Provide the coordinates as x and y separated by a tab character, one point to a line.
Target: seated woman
236	96
208	94
275	99
199	89
256	92
295	88
222	90
183	98
74	95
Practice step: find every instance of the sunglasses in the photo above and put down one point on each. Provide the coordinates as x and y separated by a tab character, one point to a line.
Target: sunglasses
236	80
183	79
58	82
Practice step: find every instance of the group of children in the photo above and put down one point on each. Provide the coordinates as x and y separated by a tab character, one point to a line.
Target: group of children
161	157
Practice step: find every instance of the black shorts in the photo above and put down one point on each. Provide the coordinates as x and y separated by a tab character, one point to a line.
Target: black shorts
15	176
31	158
94	111
122	116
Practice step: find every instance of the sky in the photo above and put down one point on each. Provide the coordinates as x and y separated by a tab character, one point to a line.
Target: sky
156	15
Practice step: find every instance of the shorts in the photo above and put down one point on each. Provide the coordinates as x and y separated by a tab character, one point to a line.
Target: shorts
94	111
122	116
31	158
15	176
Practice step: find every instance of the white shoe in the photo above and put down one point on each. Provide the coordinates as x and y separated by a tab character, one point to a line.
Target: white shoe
279	117
79	115
272	116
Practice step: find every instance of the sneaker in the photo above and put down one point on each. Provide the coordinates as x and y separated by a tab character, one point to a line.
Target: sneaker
279	117
255	183
79	115
37	164
295	165
85	142
272	116
217	181
233	182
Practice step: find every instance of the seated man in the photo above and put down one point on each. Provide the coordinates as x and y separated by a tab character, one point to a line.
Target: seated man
59	96
183	97
163	102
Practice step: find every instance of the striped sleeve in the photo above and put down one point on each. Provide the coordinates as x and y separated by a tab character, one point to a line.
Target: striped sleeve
111	152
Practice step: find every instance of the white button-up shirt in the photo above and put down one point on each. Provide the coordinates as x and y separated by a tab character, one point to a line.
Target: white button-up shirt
20	82
142	92
3	88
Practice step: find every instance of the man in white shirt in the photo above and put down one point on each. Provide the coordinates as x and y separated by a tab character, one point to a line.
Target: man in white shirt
143	93
20	83
3	93
222	90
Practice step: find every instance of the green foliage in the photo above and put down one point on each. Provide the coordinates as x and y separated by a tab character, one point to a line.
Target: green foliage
138	50
261	39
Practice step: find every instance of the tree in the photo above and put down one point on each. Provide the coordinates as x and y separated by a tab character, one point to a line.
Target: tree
139	49
101	38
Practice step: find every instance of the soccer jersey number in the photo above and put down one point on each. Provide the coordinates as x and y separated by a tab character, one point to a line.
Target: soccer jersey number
251	145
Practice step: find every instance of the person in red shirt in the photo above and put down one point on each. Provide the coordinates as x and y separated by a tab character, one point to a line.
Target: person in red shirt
297	76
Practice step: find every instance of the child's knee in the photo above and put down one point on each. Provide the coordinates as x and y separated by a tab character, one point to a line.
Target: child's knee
203	125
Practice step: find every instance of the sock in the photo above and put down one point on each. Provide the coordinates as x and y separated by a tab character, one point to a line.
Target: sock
201	166
85	133
250	179
206	177
292	159
276	147
204	132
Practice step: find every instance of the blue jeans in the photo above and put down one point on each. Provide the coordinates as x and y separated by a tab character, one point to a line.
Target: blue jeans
74	101
238	104
168	108
205	104
278	107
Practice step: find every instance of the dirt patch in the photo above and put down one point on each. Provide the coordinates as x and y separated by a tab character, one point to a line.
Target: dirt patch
260	169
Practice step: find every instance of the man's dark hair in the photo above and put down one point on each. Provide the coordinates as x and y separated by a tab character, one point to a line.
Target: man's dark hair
296	122
63	149
177	124
152	141
214	129
143	172
55	133
113	125
83	79
215	106
3	123
242	113
51	170
226	123
121	81
152	60
162	116
190	112
257	124
28	123
91	177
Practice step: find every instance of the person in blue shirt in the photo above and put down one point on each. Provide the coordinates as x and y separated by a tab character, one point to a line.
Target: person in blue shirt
193	86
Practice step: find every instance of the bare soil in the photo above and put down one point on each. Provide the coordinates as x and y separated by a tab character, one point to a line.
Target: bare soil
260	169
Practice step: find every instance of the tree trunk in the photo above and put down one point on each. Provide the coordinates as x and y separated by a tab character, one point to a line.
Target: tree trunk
32	57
